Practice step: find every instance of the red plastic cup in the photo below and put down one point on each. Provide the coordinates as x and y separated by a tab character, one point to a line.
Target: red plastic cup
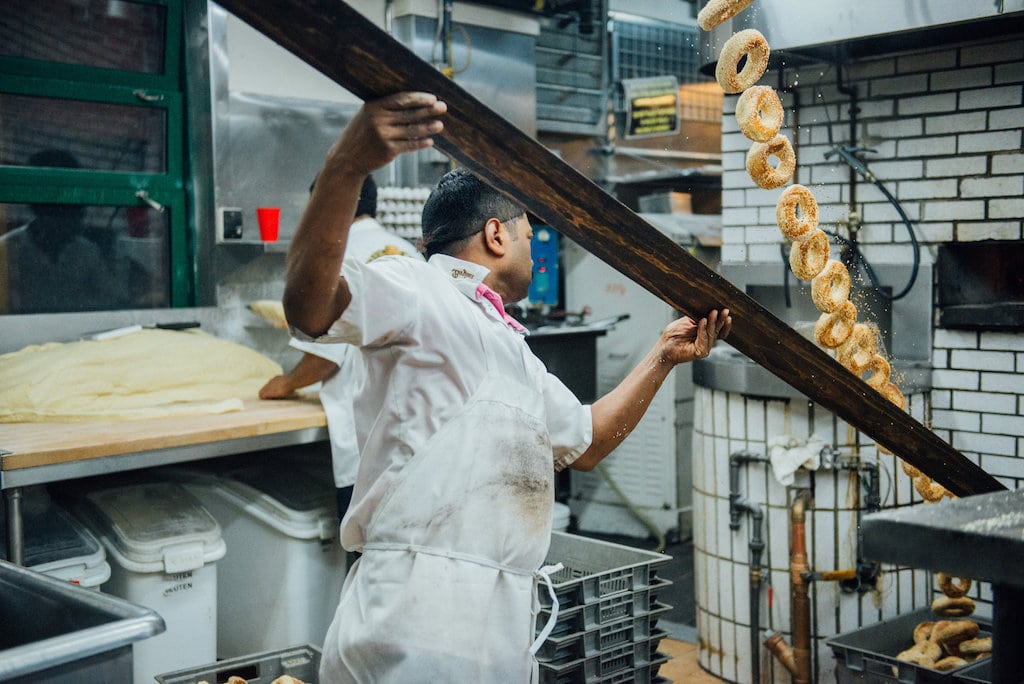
270	220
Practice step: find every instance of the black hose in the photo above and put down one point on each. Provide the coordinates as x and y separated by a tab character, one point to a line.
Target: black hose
846	155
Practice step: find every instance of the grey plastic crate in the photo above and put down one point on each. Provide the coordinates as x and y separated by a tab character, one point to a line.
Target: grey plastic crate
587	618
979	672
301	662
633	663
54	632
869	654
584	618
566	648
594	569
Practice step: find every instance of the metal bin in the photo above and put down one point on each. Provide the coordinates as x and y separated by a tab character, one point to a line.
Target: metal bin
54	632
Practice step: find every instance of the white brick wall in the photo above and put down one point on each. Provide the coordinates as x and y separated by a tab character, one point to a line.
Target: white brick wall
947	128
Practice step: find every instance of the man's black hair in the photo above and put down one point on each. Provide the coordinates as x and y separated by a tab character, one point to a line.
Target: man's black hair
459	207
367	205
367	198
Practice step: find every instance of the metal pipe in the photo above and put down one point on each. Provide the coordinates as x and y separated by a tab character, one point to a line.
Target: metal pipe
738	505
851	91
800	603
798	658
15	528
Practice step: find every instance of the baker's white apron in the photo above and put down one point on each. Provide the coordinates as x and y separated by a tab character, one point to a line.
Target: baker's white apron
445	589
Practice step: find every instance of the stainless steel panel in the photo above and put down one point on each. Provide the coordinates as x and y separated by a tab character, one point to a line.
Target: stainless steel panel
865	27
496	67
267	150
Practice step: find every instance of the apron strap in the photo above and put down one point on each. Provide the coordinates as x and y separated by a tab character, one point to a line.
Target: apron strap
544	574
445	553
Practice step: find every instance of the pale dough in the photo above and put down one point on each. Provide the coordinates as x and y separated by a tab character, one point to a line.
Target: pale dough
270	310
150	373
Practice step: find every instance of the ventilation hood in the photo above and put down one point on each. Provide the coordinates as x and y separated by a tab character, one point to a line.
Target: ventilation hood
842	31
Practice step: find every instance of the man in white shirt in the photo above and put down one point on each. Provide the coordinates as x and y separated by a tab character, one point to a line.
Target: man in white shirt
461	427
338	366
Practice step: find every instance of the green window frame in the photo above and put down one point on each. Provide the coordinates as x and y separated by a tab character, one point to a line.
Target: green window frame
163	91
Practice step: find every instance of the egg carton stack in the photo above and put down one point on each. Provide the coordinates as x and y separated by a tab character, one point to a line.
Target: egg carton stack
399	210
606	629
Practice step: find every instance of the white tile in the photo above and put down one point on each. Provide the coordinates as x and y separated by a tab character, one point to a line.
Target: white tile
850	493
890	607
721	486
719	413
736	417
725	540
697	460
728	648
775	418
755	490
780	611
713	584
846	534
703	638
825	606
798	419
755	420
825	489
743	655
741	540
714	642
850	612
710	510
699	401
776	493
907	599
699	579
699	521
778	537
741	593
820	539
726	590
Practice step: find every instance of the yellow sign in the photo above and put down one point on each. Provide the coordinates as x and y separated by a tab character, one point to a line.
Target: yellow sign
652	106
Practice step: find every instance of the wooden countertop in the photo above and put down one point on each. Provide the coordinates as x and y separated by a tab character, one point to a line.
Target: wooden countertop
43	444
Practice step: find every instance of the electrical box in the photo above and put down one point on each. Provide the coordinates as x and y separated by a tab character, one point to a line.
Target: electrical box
229	223
544	249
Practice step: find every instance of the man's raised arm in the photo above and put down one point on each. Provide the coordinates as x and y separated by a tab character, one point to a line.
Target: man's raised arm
315	295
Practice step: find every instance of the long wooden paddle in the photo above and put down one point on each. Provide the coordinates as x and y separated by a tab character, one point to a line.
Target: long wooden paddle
348	48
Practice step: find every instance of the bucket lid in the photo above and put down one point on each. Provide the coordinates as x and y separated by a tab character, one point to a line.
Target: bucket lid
159	525
289	498
53	538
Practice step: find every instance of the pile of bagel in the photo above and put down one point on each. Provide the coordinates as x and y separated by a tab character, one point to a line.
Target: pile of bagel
952	641
283	679
760	115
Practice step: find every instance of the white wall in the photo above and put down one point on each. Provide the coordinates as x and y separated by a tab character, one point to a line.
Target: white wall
258	65
946	125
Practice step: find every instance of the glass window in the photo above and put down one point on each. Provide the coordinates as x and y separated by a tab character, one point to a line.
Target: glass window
75	257
93	135
97	136
111	34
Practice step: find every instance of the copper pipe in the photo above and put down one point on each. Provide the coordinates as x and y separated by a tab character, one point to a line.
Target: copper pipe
798	658
800	602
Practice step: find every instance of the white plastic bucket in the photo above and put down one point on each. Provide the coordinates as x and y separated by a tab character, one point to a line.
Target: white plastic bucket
281	579
163	546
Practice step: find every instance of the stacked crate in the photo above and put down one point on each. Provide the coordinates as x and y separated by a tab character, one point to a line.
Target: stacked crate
607	625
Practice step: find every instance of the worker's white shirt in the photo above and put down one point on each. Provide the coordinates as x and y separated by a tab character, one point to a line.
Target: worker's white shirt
367	241
425	353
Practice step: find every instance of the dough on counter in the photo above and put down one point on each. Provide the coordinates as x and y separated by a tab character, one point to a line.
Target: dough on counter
270	310
149	373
